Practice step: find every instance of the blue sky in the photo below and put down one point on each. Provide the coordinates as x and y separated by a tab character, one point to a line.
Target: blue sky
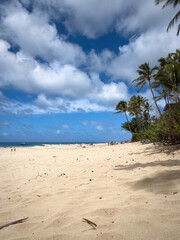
64	65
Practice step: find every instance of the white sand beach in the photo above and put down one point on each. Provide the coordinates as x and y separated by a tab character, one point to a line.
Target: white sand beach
130	191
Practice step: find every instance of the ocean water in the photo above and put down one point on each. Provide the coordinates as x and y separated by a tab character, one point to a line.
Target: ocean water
31	144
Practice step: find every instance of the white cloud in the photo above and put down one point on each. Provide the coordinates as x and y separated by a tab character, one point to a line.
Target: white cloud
64	80
44	102
58	132
99	62
45	105
93	18
1	95
65	126
85	123
145	47
109	93
85	105
148	47
33	33
63	68
23	72
99	128
95	123
140	16
112	93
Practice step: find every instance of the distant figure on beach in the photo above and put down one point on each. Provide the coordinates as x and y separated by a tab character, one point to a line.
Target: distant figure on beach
11	149
14	149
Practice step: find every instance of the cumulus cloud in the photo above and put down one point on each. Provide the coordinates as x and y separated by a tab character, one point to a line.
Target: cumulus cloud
23	72
146	47
110	93
44	63
139	16
33	33
45	105
93	18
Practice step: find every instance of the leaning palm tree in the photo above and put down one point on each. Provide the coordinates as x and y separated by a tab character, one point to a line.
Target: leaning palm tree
175	18
145	75
122	107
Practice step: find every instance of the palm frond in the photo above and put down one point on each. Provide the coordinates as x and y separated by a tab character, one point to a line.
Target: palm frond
158	1
141	72
117	112
140	83
141	86
138	79
178	30
168	2
171	24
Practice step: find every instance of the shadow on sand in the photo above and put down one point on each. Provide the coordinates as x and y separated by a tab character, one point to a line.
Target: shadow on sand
166	163
161	183
159	148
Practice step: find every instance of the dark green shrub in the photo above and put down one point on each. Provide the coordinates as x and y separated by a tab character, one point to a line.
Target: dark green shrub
167	129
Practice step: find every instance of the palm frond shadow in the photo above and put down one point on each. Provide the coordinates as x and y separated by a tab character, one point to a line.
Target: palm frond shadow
164	182
166	163
159	148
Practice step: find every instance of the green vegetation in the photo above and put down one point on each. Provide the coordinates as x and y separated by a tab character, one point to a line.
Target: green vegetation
165	81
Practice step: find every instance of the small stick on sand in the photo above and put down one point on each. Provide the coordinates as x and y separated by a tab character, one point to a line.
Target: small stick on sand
90	223
12	223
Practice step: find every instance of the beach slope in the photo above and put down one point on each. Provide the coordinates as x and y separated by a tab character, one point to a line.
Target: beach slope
129	191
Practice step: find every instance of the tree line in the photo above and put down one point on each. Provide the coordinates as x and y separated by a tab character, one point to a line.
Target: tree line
164	83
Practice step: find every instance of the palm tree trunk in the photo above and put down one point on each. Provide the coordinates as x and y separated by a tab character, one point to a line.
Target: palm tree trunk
128	122
138	122
166	101
177	97
154	99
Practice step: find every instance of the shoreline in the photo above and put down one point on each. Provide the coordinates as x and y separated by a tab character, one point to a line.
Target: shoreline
34	144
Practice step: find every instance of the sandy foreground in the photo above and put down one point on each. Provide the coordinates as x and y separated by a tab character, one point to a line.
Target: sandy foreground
131	191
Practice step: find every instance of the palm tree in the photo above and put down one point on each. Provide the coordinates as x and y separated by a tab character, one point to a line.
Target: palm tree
168	76
145	75
175	18
163	94
135	105
169	79
122	107
146	114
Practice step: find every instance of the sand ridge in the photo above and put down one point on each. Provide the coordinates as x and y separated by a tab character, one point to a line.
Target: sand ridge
131	191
